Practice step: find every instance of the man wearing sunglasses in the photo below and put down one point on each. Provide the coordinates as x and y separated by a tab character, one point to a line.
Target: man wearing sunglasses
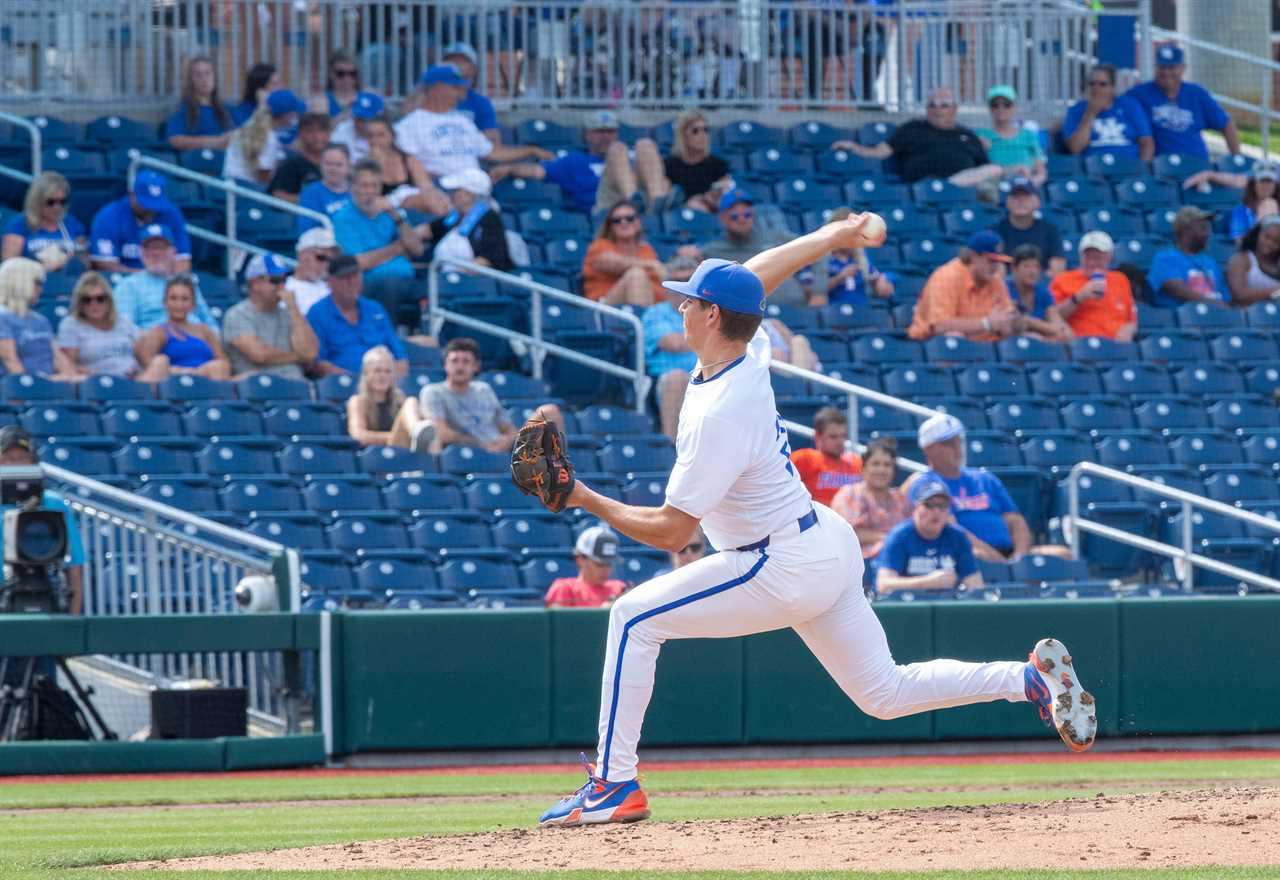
743	238
1102	122
267	333
926	553
309	282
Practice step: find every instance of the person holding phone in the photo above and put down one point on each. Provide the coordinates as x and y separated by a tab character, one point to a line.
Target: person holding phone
1093	299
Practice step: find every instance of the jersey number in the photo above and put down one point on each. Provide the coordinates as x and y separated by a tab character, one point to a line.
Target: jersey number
785	451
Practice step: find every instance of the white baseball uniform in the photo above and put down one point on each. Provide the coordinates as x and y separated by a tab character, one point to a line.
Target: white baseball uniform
797	564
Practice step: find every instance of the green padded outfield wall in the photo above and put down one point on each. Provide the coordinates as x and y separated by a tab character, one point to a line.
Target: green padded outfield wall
520	679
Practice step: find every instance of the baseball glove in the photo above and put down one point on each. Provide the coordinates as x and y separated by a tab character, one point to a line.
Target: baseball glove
539	464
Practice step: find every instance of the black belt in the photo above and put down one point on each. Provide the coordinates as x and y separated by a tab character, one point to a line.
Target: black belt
806	522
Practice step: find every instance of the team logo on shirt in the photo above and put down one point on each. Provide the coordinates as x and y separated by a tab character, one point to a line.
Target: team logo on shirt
1110	132
981	501
1173	117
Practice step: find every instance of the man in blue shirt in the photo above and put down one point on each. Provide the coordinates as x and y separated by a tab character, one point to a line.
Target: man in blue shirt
1178	111
1105	123
140	297
1184	272
473	105
114	237
667	356
347	324
926	552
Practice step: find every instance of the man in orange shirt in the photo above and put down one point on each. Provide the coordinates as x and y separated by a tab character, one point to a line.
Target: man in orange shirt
967	296
1092	299
595	552
827	467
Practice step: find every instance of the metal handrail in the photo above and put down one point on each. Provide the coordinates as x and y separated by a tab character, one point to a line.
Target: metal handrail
37	147
232	189
1189	502
540	348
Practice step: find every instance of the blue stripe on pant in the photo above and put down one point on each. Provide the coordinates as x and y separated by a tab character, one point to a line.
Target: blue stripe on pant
603	769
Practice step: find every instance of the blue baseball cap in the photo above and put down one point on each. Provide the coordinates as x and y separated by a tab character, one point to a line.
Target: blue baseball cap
1168	56
925	488
733	197
155	230
148	189
368	105
987	243
1023	184
731	286
282	102
268	265
448	74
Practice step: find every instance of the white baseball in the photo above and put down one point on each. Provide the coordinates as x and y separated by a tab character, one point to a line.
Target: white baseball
873	227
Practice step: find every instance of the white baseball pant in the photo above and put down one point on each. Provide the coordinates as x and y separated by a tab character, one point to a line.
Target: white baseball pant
810	581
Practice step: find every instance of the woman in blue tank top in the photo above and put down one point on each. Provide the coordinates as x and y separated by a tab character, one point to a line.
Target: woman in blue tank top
185	346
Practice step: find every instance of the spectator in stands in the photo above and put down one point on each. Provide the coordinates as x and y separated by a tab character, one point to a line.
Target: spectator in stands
926	552
1020	225
140	297
348	324
1105	123
202	121
26	336
1253	272
742	238
302	166
261	80
266	332
343	91
473	230
979	501
934	147
789	347
115	234
872	505
828	466
603	175
967	296
473	105
852	279
380	413
97	340
405	182
353	131
595	551
1031	296
1184	272
702	176
1178	111
45	231
256	149
1009	143
466	411
1094	299
668	358
620	266
332	192
691	552
184	346
377	234
1258	201
443	139
309	282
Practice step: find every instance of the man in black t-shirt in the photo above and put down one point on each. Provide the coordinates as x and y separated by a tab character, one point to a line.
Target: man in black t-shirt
933	147
1021	226
302	165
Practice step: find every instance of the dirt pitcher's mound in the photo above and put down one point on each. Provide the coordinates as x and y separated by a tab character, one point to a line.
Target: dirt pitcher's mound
1230	826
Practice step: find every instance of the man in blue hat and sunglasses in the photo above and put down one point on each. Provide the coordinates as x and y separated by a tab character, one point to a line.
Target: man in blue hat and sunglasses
783	560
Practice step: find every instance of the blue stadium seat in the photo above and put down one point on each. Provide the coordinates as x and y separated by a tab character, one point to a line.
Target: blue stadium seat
770	162
394	460
221	418
61	419
1160	223
1245	346
497	493
646	491
1092	491
246	494
992	380
1129	450
1138	379
1242	486
1065	218
547	222
688	225
803	194
929	253
1065	379
871	133
190	494
317	458
302	531
84	455
531	529
264	387
155	459
141	421
203	161
336	494
846	318
326	575
607	421
1204	317
843	165
1056	451
1165	414
454	530
1020	414
1109	165
509	384
1049	569
1100	350
113	388
28	388
1262	447
816	136
547	134
641	565
870	194
1172	476
957	350
1224	539
1174	347
1146	193
1216	198
368	531
747	133
915	380
940	193
422	492
863	375
800	319
1263	316
1097	414
459	459
1262	379
1209	379
970	412
193	388
121	130
397	575
1242	415
517	192
566	251
830	348
1078	194
991	449
1207	447
466	575
964	221
539	573
1112	221
1063	165
884	348
1177	167
638	455
73	160
1027	350
224	456
906	223
584	387
304	418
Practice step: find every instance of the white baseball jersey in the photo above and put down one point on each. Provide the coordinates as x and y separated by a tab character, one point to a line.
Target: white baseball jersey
444	143
733	465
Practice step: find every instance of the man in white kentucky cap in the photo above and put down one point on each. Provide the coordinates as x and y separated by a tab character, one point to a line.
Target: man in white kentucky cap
309	282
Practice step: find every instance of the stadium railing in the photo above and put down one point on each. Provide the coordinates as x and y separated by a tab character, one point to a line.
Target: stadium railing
37	151
538	346
1184	554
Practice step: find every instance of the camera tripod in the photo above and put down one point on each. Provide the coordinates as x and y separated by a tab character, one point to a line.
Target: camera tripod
35	708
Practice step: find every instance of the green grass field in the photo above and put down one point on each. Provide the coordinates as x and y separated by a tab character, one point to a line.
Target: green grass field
70	829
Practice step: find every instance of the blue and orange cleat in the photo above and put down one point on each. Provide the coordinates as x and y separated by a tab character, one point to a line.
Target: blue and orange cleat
1051	683
599	801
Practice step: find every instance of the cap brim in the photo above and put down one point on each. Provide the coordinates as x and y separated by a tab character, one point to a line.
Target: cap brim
685	288
944	437
999	258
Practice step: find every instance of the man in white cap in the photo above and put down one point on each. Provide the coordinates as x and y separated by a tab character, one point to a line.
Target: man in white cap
926	552
473	230
980	504
603	175
267	333
595	551
309	282
1095	300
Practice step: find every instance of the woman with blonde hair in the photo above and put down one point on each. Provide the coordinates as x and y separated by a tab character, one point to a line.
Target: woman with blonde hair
701	176
44	231
26	336
380	413
256	149
97	340
851	276
620	266
184	347
202	121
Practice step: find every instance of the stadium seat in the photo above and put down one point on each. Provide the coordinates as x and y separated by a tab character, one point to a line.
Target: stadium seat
455	529
304	418
422	492
317	458
246	494
1206	447
1262	447
540	529
884	348
1112	221
638	455
816	136
992	380
1221	538
395	575
1100	350
956	350
1110	165
108	388
221	418
1171	414
1065	380
803	194
299	530
189	494
871	194
539	573
1174	347
1097	414
61	419
991	449
84	455
772	162
155	459
1177	167
964	221
1078	194
1021	414
1262	379
1215	198
929	253
1127	451
688	225
1245	346
487	494
24	388
458	459
1028	350
1137	379
368	531
1242	415
334	494
1209	380
1057	451
1037	569
746	133
1145	194
646	491
939	193
1242	486
839	165
910	382
121	131
1172	476
394	460
264	387
465	575
141	421
224	456
194	388
1204	317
